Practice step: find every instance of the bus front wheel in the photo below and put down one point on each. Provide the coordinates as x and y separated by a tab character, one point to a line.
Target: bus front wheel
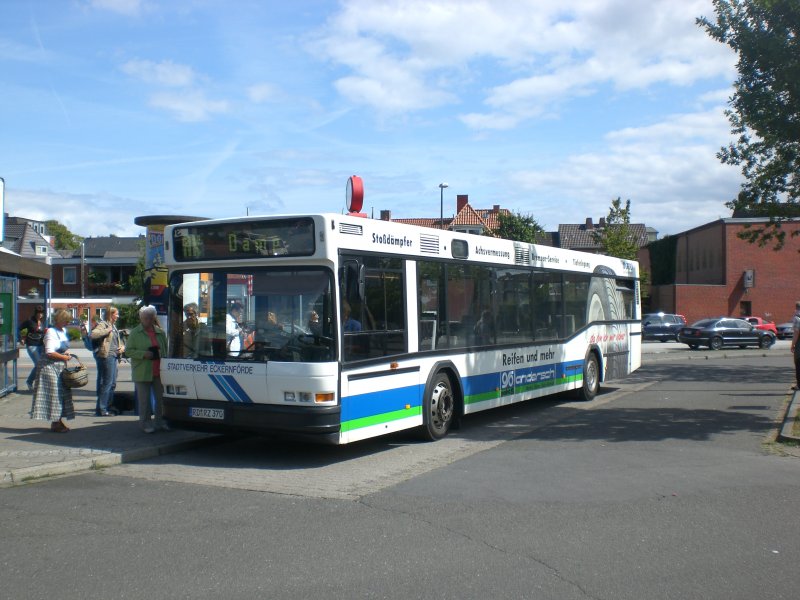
591	378
439	408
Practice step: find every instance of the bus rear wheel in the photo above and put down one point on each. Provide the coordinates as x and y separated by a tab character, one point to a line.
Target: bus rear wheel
439	408
591	378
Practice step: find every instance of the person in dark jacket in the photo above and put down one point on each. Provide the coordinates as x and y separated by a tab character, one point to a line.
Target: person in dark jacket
34	340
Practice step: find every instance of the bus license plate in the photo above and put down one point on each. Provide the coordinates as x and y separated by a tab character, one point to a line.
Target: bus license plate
207	413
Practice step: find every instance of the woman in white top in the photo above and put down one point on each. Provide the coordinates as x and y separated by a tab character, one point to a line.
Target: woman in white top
52	400
233	329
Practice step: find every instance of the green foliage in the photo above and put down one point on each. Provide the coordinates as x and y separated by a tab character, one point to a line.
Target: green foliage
516	226
63	238
765	107
617	238
128	315
136	281
96	277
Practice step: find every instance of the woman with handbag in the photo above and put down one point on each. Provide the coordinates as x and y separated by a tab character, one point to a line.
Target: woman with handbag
146	344
52	399
34	340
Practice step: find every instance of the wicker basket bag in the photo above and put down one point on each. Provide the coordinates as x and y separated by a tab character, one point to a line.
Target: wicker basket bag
75	377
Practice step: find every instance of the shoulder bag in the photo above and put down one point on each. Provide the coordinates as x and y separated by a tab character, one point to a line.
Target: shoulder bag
75	377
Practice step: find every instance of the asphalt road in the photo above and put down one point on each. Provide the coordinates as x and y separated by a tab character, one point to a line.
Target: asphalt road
664	487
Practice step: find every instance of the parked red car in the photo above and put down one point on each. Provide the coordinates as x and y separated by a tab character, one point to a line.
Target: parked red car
762	324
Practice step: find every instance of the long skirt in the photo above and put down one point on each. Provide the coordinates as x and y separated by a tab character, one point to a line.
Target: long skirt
52	400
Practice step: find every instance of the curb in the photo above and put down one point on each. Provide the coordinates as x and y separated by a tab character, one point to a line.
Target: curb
703	355
785	434
25	475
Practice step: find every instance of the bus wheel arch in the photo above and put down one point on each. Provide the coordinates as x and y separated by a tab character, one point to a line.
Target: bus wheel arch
442	402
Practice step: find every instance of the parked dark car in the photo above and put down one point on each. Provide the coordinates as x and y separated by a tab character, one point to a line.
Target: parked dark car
724	331
661	326
785	331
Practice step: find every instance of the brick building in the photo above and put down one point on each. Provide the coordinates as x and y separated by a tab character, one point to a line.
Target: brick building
709	271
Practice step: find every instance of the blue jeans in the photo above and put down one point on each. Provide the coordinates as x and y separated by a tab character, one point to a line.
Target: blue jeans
106	382
35	352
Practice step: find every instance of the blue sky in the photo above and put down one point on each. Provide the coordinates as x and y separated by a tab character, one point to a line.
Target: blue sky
111	109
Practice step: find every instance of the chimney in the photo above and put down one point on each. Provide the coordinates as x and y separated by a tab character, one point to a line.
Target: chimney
602	222
589	223
461	201
496	208
386	215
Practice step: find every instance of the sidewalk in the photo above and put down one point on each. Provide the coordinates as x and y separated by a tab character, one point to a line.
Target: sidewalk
29	450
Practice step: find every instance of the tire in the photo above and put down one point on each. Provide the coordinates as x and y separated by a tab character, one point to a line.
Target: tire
767	341
591	378
715	343
438	407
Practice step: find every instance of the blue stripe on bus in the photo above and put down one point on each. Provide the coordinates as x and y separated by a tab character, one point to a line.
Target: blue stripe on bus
384	401
230	388
491	382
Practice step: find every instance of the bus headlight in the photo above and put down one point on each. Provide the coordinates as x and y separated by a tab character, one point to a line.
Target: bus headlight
310	397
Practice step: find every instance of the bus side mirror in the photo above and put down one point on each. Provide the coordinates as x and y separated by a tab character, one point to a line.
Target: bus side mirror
354	278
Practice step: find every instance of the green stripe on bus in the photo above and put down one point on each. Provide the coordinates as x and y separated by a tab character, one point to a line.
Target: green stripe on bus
395	415
475	398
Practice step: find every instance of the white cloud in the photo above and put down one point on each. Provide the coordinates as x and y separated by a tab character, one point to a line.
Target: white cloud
123	7
261	92
165	73
668	170
414	54
188	105
83	214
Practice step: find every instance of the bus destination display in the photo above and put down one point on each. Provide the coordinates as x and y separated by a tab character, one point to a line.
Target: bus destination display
251	239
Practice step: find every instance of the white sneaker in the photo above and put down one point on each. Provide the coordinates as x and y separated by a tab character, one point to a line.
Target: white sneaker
149	429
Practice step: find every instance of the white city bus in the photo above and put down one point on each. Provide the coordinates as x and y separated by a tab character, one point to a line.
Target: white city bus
341	328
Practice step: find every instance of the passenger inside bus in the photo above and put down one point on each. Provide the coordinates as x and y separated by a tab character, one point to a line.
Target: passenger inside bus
233	329
190	331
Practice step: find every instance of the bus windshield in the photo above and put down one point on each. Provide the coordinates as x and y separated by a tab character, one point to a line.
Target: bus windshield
261	314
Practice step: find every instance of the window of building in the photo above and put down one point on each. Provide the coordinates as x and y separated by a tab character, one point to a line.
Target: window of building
70	275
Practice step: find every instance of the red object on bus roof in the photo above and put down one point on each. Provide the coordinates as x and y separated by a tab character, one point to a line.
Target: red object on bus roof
354	194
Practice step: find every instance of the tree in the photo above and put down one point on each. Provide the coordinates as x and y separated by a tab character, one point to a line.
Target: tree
765	107
616	238
64	238
129	313
516	226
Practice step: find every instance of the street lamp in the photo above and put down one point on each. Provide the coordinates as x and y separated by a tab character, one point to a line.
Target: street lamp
441	204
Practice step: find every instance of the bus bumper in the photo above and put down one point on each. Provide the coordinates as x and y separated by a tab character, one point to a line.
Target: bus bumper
315	422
